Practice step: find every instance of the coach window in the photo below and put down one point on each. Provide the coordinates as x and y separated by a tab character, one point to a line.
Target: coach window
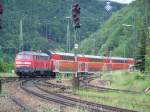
37	57
34	58
46	58
40	57
96	60
50	55
69	58
119	61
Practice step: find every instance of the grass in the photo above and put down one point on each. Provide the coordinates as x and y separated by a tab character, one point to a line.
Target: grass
117	99
3	91
3	94
134	81
63	76
64	109
7	74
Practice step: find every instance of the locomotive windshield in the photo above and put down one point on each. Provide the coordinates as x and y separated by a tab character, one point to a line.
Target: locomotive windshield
21	56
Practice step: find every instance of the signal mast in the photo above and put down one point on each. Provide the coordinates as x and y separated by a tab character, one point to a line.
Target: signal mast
76	25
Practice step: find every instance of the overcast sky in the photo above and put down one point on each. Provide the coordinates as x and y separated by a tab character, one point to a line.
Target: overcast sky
123	1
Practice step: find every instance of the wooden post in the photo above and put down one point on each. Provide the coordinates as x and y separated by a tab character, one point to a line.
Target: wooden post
0	86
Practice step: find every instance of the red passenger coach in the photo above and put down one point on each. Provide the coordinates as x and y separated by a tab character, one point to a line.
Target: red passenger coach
63	62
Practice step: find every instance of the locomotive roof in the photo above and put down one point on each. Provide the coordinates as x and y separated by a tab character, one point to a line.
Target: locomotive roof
33	53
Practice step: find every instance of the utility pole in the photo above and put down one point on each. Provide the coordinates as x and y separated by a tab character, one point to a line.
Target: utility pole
108	8
68	34
144	36
1	12
0	86
146	60
94	46
21	37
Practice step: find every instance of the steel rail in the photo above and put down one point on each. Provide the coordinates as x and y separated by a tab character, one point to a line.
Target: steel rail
22	105
9	79
68	101
86	83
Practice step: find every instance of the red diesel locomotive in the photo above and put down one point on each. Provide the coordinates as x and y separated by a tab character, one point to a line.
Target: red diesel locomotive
29	63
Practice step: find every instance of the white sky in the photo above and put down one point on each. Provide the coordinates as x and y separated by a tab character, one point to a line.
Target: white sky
123	1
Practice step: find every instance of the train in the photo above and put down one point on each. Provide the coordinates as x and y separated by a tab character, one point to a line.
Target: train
32	63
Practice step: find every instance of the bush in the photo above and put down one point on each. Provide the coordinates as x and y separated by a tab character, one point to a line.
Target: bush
4	67
139	77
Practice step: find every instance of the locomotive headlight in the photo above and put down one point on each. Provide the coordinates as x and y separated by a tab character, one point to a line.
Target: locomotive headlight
27	63
24	63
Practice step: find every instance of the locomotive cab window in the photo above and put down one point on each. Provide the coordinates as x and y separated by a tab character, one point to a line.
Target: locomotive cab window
35	57
21	56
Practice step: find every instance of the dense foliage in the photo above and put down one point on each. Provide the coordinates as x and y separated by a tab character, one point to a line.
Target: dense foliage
4	67
124	34
44	23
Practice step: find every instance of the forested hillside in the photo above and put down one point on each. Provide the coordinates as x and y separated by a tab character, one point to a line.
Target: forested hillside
122	34
44	23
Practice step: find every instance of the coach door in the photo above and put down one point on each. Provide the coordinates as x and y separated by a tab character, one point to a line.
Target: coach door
82	67
56	66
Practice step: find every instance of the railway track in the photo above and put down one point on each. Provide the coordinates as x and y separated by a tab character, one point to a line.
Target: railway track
22	105
9	79
30	87
86	83
49	84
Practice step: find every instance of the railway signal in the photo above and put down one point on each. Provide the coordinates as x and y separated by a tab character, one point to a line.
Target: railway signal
1	9
76	22
1	12
76	15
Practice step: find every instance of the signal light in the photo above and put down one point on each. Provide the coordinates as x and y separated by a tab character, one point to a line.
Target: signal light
0	23
1	9
1	12
76	15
